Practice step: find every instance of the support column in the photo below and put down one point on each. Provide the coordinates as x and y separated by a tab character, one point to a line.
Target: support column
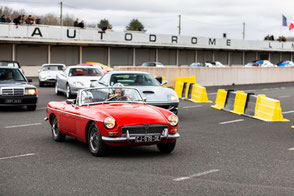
269	56
281	56
81	55
134	56
108	56
229	58
213	56
177	58
243	59
291	57
256	56
13	52
196	56
49	54
156	54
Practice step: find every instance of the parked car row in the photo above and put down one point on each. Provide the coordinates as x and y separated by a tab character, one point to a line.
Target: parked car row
207	64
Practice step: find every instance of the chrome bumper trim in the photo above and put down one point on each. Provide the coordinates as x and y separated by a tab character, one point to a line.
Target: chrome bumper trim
132	138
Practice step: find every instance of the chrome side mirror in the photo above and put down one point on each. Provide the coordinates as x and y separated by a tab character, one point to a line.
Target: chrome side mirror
164	82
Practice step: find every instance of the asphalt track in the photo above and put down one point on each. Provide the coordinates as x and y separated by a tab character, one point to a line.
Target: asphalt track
218	153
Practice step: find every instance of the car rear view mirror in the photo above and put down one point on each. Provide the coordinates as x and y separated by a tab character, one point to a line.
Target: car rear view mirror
144	99
164	82
30	80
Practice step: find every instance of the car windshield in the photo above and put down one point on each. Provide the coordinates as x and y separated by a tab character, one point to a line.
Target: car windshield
149	64
81	71
136	79
9	64
108	95
11	75
53	68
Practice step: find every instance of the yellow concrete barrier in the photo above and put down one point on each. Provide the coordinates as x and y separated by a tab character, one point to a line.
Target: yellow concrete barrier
268	109
199	94
240	102
182	84
220	99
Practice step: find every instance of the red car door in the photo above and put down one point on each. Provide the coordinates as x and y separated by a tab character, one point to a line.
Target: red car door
68	119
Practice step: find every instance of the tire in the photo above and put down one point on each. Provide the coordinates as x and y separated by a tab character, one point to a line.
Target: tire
56	134
167	147
31	107
41	84
95	143
57	92
68	92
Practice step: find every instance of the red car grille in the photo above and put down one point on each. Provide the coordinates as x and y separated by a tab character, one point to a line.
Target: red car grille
143	129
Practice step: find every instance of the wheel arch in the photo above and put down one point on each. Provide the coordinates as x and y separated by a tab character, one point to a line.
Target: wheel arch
51	117
87	128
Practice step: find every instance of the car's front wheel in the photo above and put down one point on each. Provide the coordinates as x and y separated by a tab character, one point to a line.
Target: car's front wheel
166	147
68	92
56	134
57	92
96	145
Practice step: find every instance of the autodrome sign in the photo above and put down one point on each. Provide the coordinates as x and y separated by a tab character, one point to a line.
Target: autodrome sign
62	34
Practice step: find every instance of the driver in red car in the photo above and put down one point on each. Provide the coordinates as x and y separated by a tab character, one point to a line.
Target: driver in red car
119	93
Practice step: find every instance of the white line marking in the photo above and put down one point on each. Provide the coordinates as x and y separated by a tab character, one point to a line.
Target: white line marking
16	156
251	90
288	112
283	87
211	93
284	96
265	89
291	149
194	106
195	175
232	121
26	125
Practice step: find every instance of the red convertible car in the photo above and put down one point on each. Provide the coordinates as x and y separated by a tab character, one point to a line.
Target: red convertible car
113	116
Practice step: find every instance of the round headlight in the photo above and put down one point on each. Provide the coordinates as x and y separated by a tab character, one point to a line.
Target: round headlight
173	119
109	122
172	97
43	76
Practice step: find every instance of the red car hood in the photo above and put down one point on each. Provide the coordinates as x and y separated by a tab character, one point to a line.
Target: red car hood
132	114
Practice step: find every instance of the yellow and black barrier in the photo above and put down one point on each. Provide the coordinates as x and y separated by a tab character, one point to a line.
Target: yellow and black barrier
230	101
181	85
268	109
198	94
250	105
259	107
220	99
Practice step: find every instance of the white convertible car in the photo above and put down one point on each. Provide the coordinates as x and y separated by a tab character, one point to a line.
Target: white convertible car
48	72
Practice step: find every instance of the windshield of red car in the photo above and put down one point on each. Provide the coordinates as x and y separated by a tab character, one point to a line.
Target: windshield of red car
84	72
102	95
134	79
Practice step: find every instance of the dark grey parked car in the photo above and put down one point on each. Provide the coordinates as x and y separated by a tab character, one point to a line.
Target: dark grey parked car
148	86
15	90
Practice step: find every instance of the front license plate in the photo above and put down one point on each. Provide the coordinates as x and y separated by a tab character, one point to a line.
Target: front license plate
13	100
147	138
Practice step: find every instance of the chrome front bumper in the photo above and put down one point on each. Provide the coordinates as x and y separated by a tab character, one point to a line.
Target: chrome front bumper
129	138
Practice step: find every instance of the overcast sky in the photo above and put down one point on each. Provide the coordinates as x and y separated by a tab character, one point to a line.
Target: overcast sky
209	18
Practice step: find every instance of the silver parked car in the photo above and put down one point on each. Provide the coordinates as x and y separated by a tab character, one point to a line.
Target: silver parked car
148	86
75	78
48	72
